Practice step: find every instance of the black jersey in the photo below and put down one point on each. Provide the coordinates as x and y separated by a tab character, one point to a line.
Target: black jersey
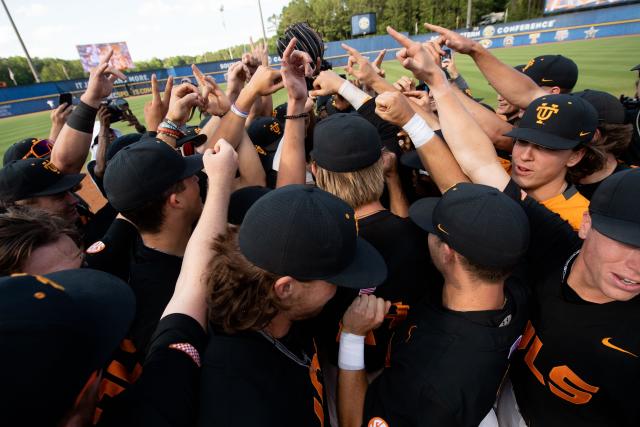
578	362
446	367
249	379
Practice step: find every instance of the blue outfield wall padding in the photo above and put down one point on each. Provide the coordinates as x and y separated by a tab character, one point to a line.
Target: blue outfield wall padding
613	21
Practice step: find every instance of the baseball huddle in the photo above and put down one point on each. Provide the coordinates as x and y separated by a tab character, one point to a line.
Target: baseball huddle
370	253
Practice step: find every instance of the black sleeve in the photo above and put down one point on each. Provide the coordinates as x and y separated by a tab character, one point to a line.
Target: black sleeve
167	392
388	132
112	252
552	239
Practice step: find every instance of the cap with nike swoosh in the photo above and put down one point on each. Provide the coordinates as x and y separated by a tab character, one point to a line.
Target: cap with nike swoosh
479	222
557	122
552	70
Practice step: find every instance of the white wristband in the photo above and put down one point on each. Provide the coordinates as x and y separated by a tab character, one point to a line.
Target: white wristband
418	130
351	93
351	353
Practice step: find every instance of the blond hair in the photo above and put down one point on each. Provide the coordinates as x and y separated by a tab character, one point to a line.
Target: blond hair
356	188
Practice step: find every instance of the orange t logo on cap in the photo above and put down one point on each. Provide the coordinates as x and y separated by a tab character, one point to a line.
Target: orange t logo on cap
545	112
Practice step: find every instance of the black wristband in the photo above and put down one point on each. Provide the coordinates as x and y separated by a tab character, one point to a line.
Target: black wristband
82	118
297	116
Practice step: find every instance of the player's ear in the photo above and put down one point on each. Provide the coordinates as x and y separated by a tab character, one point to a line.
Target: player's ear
314	168
585	225
284	287
555	90
575	157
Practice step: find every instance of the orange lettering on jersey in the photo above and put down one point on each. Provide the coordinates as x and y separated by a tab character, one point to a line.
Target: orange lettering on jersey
530	358
529	332
401	312
314	372
578	396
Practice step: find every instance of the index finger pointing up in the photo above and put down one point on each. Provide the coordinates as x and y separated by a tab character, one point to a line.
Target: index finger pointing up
290	48
404	41
154	88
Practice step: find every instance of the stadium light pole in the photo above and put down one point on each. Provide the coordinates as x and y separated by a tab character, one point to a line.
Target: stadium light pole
264	32
33	69
469	14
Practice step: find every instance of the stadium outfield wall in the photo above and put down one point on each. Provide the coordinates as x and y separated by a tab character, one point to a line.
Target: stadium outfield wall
594	24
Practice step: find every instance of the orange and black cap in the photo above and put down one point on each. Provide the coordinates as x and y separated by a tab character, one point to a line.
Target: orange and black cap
55	331
552	70
615	207
24	179
479	222
557	122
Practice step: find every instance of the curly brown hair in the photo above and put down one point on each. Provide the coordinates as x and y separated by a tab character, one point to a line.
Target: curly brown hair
241	296
613	138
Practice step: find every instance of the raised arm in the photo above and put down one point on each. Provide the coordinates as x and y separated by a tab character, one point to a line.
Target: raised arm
434	154
249	166
59	117
365	314
369	74
190	295
264	81
492	125
156	110
514	86
469	144
72	145
295	65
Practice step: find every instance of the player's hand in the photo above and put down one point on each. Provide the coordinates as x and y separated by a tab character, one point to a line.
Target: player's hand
452	39
265	81
101	80
237	75
156	109
295	66
422	61
60	115
394	108
405	84
377	63
184	98
260	51
359	66
365	314
215	100
450	66
105	119
389	163
419	98
327	83
220	163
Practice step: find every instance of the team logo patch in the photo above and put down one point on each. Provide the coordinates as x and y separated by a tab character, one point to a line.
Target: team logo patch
96	247
529	65
377	422
275	128
545	112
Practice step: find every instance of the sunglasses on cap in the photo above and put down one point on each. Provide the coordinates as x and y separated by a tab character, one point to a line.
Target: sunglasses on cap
39	148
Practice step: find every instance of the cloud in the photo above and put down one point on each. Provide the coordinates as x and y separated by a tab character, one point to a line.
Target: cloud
32	10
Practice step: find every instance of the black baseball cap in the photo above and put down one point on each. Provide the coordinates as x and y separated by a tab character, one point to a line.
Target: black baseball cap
610	109
615	207
479	222
309	234
279	112
552	70
636	68
345	143
265	132
28	148
23	179
192	135
143	171
241	201
557	122
55	331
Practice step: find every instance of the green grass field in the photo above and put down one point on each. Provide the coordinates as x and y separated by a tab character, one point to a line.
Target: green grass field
604	65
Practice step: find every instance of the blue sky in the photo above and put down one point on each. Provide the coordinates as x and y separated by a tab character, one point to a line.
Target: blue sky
151	28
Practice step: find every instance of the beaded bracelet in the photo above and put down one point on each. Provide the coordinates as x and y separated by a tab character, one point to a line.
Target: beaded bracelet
296	116
170	132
